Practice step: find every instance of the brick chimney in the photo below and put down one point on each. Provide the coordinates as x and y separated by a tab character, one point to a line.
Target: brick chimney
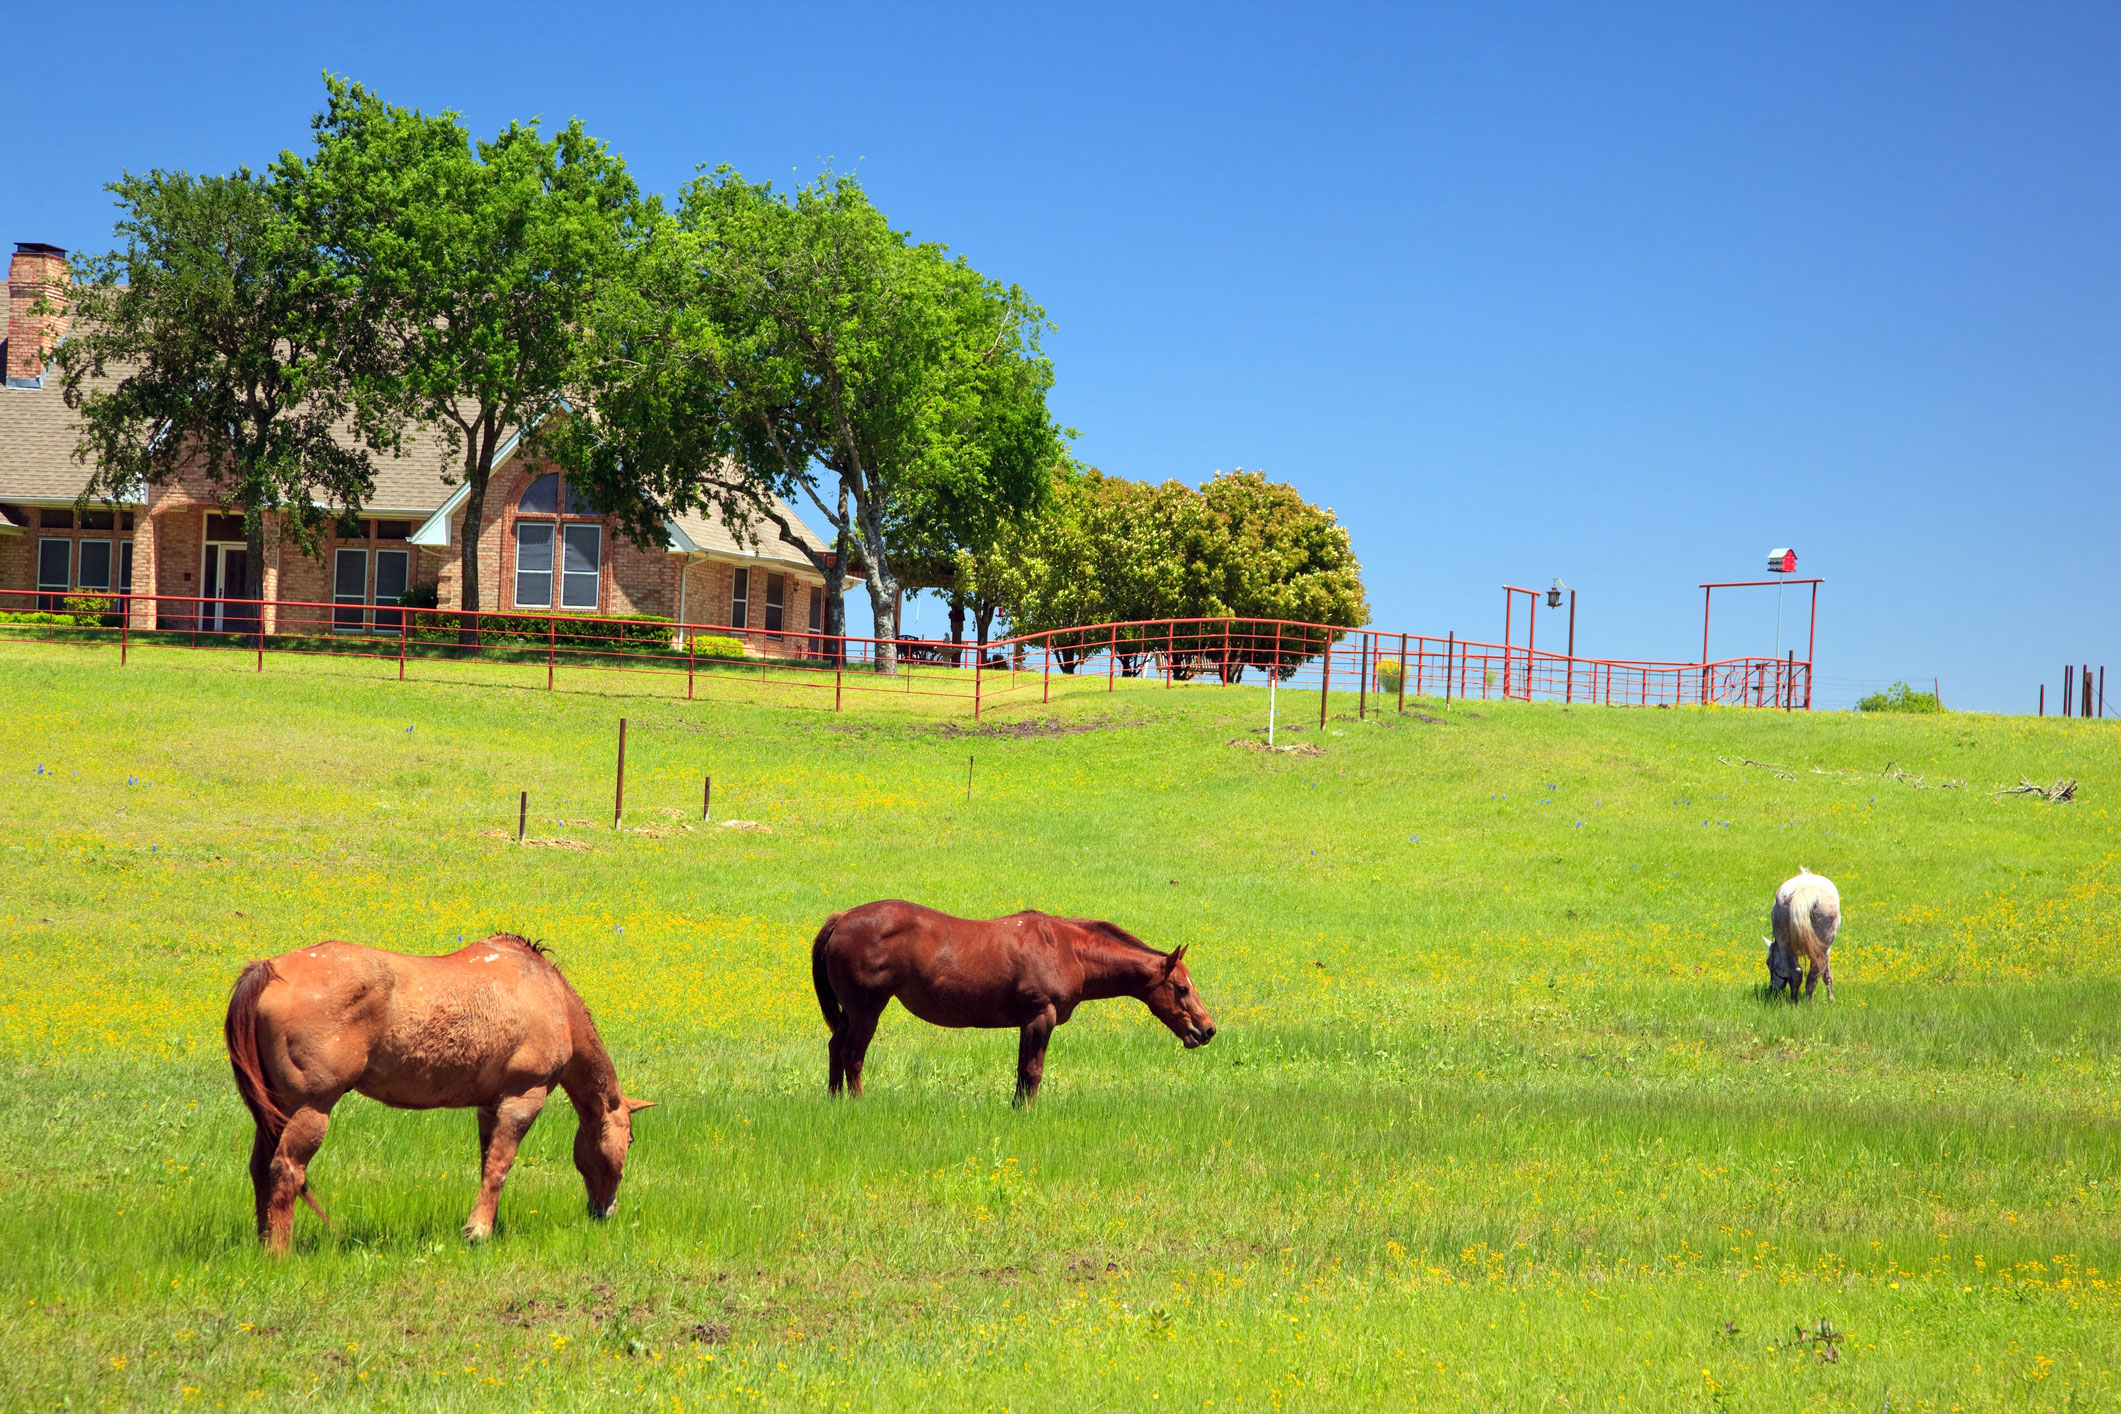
37	272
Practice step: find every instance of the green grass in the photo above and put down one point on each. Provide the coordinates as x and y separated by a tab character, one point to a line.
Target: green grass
1496	1117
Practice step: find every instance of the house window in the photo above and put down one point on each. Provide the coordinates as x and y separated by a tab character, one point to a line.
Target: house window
533	564
349	591
393	530
776	597
53	519
99	520
125	564
584	566
562	546
739	597
94	570
55	571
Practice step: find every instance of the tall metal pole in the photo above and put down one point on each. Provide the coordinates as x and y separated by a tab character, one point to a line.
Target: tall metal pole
1811	642
1325	678
1570	694
1531	642
1706	592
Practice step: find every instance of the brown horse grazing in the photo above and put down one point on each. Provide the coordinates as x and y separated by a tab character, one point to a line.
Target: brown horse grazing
491	1027
1028	970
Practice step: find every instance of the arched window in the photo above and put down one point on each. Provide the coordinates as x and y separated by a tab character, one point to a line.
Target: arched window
549	544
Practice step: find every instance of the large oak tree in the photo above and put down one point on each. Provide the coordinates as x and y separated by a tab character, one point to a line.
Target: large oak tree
474	262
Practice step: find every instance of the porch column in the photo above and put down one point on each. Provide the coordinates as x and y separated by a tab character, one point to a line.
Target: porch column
140	609
269	573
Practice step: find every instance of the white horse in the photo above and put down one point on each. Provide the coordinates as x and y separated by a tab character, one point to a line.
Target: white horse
1806	915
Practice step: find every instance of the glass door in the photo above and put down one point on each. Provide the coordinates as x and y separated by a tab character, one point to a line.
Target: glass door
349	591
393	578
221	589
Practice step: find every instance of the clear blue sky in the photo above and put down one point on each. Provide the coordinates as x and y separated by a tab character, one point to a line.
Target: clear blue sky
1624	294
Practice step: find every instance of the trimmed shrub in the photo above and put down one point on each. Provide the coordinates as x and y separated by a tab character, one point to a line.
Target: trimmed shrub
715	646
1900	698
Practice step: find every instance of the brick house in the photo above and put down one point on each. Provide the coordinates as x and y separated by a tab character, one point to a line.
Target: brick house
181	555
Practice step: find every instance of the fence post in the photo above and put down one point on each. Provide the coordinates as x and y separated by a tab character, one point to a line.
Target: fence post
125	625
836	672
1450	651
261	635
691	641
1402	672
522	815
979	666
706	797
404	630
1325	678
552	643
1045	670
1362	689
618	799
1111	657
1789	682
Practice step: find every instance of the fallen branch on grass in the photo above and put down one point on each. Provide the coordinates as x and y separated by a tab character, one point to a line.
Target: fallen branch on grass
2060	793
1781	772
1893	773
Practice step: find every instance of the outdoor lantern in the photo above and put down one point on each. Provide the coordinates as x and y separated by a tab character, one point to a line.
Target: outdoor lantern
1783	561
1554	594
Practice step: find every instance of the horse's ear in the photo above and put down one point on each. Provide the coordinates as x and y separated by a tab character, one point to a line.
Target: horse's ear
633	1106
1177	955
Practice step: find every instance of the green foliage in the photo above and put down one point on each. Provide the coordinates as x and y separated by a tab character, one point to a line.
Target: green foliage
474	265
218	337
1111	550
1502	1098
76	611
620	631
1900	698
767	346
713	645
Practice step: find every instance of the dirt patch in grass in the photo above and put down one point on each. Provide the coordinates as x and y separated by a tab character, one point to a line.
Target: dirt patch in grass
1301	748
533	842
1036	727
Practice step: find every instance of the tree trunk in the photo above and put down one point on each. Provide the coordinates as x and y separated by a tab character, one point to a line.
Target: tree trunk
984	615
883	596
254	570
836	586
468	592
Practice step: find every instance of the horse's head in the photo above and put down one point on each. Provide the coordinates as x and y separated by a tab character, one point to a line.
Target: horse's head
1176	1004
600	1145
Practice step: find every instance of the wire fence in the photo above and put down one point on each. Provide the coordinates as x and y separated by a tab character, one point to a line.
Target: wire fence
668	658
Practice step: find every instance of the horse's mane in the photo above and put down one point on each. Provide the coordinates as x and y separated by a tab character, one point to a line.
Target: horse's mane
530	944
1112	932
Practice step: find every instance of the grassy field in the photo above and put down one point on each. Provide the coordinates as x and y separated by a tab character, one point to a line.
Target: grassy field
1496	1117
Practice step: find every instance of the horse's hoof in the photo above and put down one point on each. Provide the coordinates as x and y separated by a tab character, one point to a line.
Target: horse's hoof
473	1232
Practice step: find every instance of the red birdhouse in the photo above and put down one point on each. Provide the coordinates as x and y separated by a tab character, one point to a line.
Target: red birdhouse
1782	561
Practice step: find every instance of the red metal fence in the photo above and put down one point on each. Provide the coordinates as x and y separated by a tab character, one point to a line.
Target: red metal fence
1374	668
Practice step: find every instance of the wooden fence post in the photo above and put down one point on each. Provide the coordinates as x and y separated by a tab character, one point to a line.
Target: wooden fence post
618	799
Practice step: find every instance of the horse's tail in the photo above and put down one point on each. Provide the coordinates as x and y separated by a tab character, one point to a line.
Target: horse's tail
1804	939
241	1031
827	1000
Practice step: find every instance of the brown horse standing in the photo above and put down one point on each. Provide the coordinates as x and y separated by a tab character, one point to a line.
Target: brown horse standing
1028	970
491	1027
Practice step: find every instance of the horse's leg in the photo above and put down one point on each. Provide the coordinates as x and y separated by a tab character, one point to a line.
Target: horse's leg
854	1041
836	1053
489	1117
1031	1055
513	1116
262	1147
289	1172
